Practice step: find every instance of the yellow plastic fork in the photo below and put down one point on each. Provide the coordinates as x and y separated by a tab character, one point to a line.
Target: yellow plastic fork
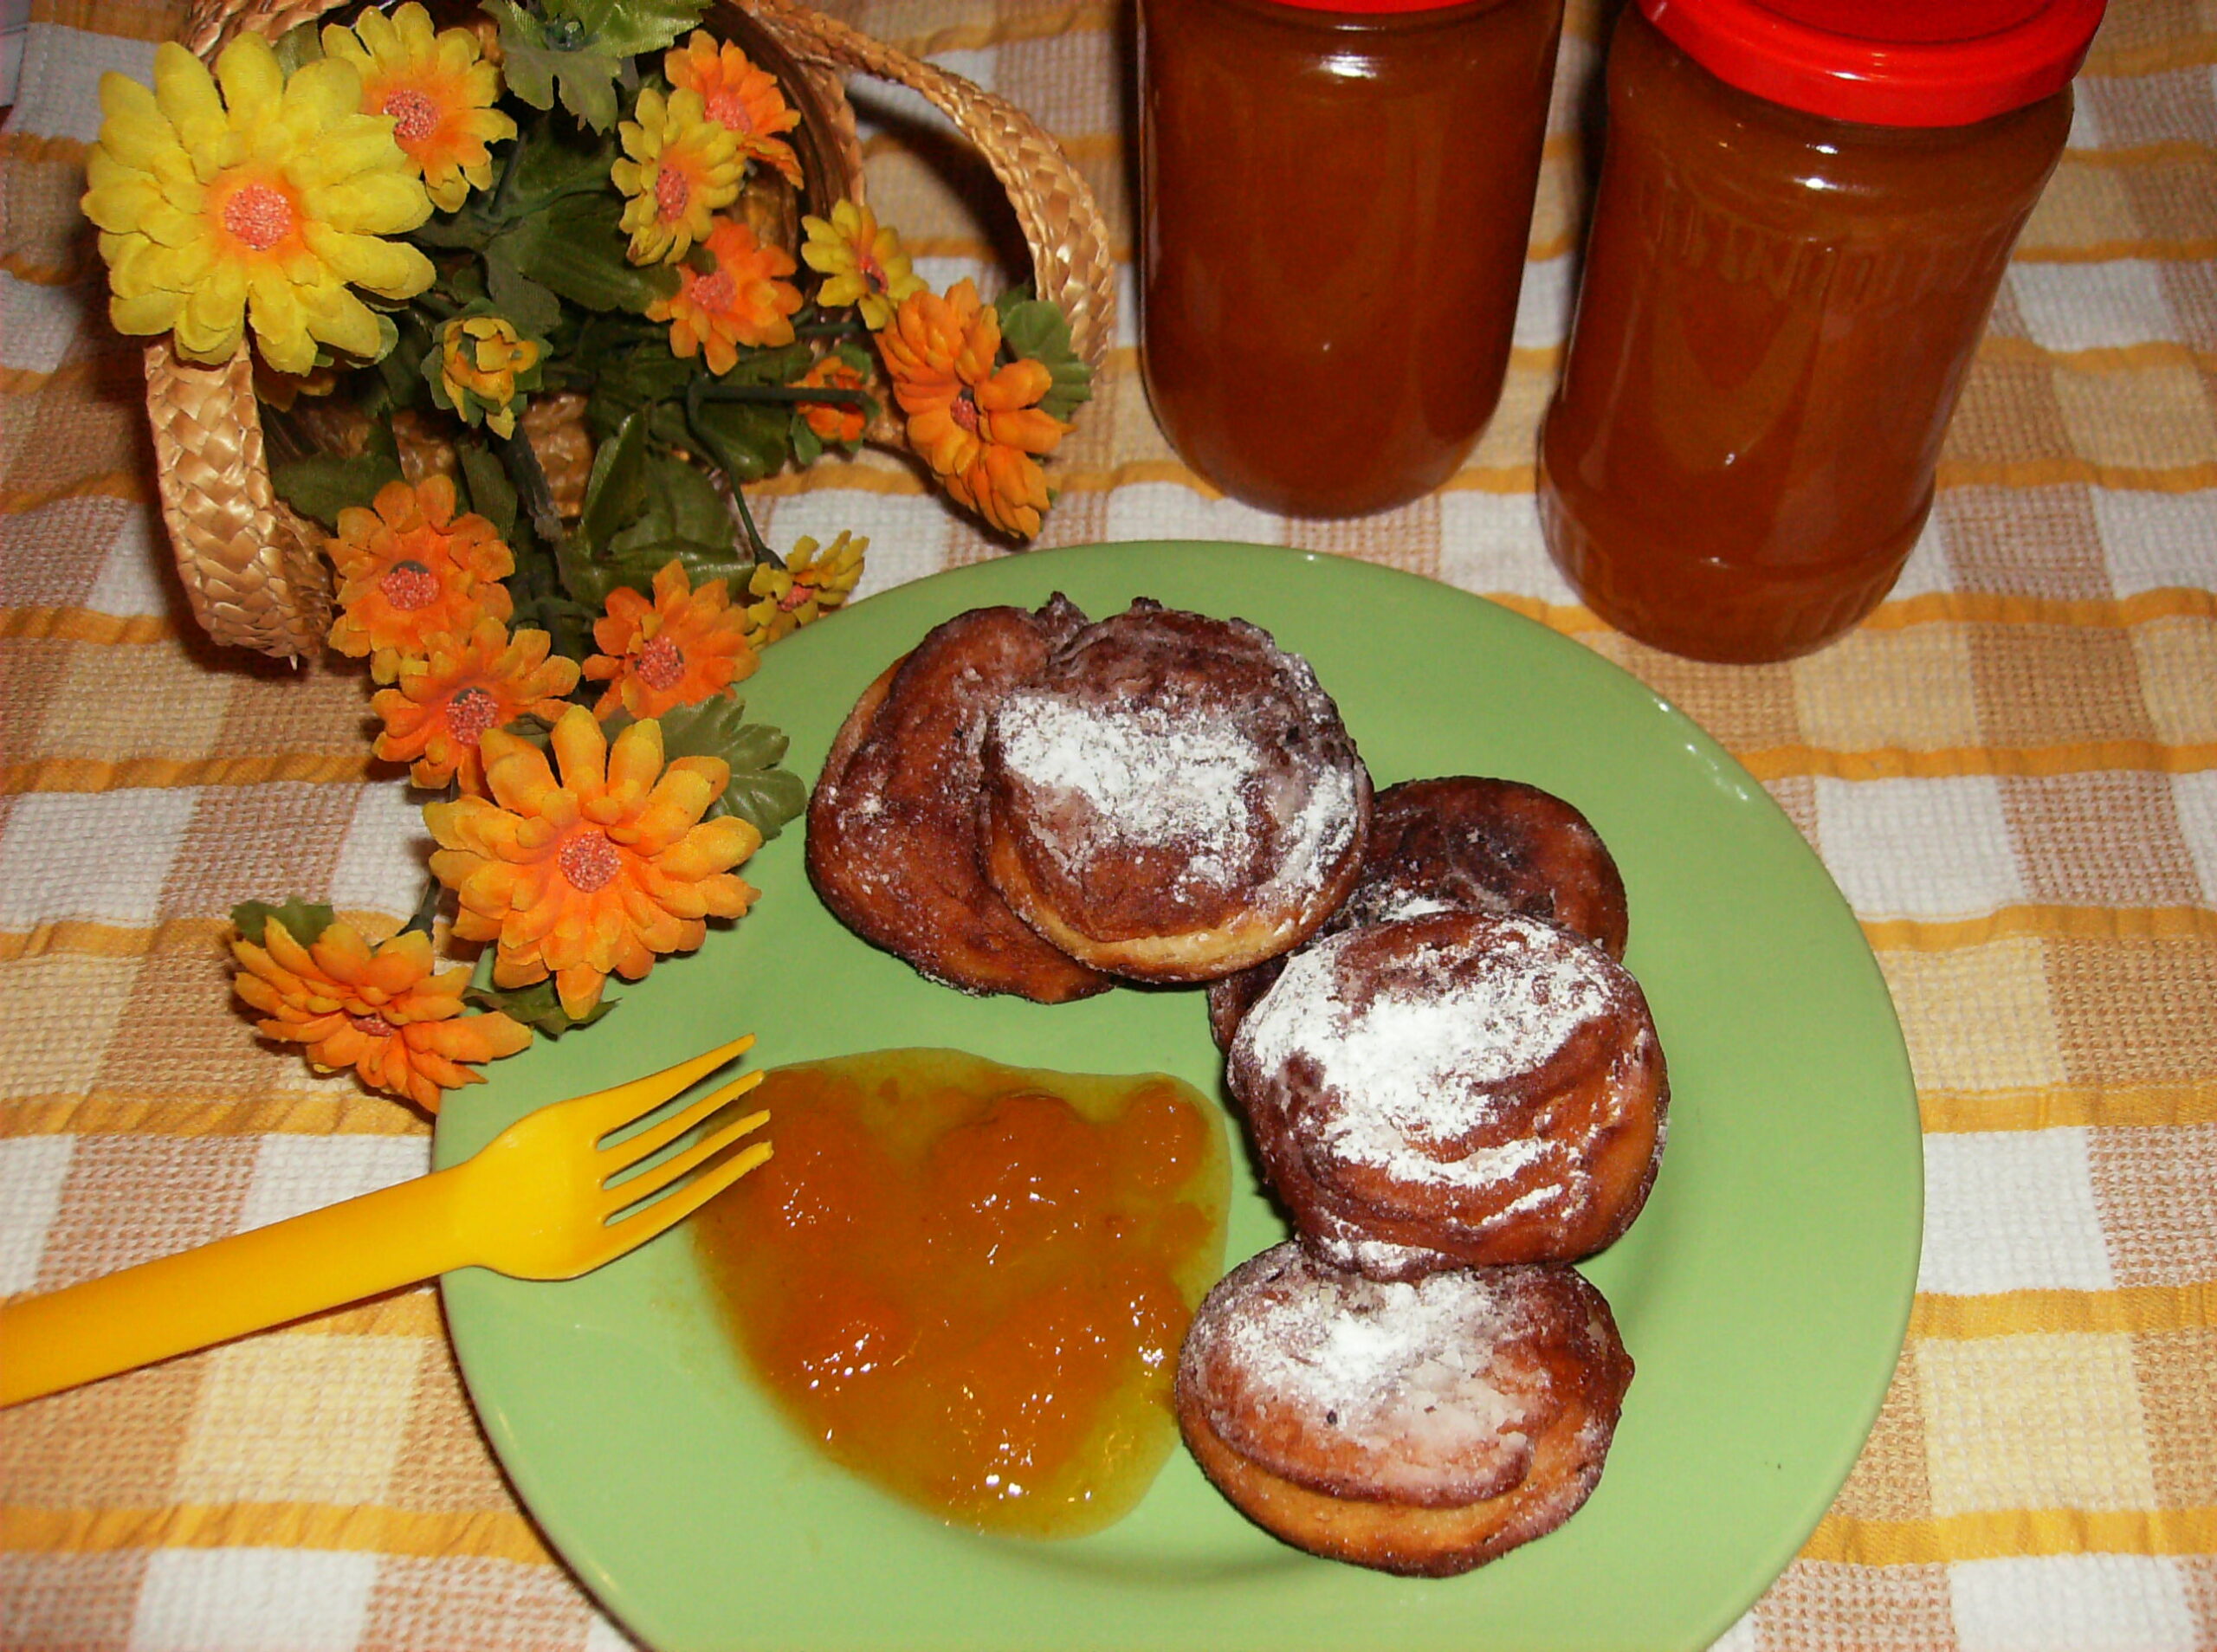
542	1200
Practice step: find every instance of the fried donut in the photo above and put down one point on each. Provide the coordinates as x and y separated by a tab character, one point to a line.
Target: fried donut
893	822
1173	799
1422	1429
1456	1090
1464	844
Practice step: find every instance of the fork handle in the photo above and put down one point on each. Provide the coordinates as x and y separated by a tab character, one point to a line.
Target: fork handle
266	1276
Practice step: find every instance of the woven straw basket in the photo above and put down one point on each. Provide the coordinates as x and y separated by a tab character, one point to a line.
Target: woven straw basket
252	569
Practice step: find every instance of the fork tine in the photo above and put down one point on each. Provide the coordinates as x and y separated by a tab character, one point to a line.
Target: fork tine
612	1108
622	1155
666	1212
673	1169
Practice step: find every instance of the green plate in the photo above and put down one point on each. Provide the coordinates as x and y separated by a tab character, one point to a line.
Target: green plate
1763	1294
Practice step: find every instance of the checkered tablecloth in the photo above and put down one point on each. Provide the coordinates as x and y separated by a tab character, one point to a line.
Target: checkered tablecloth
2012	771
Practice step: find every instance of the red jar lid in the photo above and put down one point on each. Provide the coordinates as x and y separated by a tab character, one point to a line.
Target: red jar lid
1886	62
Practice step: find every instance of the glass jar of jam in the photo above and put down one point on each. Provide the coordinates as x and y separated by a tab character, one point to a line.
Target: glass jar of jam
1334	207
1804	213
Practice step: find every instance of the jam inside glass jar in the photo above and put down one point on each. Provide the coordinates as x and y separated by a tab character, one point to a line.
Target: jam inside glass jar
1777	312
1334	211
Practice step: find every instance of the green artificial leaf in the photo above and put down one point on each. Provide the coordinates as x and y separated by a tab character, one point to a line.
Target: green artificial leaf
628	27
552	159
749	440
615	492
526	65
808	447
763	794
697	509
323	484
588	82
298	47
538	1006
576	247
537	57
491	495
303	921
533	309
1037	330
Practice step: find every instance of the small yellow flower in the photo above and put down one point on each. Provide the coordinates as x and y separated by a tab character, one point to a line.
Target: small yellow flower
482	365
597	872
740	97
680	170
385	1013
812	582
863	263
744	302
260	204
438	90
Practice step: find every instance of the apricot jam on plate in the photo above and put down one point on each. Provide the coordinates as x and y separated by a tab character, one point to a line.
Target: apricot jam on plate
968	1282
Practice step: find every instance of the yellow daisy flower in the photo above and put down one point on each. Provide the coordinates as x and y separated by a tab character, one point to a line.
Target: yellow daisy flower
814	581
439	91
862	262
682	168
260	203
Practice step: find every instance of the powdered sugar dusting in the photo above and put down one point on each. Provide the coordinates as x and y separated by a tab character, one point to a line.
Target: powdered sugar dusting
1179	779
1418	1067
1407	1370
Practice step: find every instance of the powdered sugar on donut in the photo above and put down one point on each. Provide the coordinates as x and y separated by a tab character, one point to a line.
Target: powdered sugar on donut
1405	1373
1418	1064
1152	777
1179	778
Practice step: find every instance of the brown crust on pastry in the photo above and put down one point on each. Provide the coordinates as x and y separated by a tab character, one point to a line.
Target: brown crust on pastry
1464	1089
1463	843
1173	799
893	825
1422	1429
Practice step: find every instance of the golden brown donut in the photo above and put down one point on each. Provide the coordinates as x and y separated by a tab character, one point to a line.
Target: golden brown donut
1173	799
1423	1427
893	822
1464	844
1462	1089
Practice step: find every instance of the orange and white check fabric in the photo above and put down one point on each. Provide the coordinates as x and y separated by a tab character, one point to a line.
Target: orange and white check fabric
2011	771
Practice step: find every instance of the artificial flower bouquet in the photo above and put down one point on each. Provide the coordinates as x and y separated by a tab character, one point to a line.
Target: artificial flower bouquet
531	297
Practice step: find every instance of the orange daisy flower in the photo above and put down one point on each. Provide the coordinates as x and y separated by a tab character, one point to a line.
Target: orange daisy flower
410	569
676	650
470	685
743	302
385	1013
679	168
740	97
832	421
977	424
595	873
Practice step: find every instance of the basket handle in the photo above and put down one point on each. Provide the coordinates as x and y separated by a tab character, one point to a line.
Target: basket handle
1071	259
251	568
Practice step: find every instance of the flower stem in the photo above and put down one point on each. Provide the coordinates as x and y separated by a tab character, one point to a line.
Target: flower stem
778	393
427	909
522	462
